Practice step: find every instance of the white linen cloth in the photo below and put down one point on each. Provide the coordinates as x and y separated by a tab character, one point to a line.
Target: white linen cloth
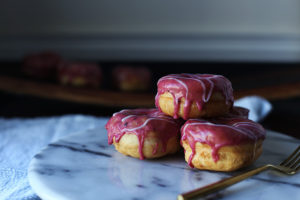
21	139
259	107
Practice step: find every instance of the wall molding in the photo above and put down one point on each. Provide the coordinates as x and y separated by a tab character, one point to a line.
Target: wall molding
253	48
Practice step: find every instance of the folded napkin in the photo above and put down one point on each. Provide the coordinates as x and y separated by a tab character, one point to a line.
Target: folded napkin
21	139
259	107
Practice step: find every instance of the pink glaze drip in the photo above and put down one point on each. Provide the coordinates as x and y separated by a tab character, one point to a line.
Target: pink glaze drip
140	122
220	132
196	88
155	149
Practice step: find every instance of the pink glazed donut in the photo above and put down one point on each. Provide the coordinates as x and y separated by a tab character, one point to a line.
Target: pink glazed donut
42	65
143	133
130	79
194	95
222	144
80	74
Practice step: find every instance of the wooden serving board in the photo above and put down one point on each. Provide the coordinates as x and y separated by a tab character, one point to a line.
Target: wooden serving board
115	98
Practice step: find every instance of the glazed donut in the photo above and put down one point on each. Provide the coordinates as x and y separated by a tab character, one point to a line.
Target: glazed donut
143	133
41	65
127	78
223	144
79	74
194	95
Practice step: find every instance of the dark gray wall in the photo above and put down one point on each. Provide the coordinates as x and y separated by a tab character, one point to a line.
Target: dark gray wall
170	27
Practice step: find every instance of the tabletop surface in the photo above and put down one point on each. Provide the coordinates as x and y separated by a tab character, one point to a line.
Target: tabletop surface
84	166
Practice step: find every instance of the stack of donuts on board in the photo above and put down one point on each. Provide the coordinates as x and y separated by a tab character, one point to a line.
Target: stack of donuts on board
194	111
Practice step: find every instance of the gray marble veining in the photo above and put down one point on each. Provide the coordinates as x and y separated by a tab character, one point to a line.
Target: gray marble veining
84	166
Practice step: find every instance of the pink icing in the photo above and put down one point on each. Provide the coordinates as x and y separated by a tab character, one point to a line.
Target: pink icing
140	122
196	88
220	132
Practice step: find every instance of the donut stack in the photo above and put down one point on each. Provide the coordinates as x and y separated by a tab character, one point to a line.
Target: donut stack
195	111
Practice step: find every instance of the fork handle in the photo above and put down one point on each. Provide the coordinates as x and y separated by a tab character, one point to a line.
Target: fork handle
221	184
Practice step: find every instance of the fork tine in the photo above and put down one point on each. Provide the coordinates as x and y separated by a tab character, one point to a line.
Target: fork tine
297	161
290	163
290	157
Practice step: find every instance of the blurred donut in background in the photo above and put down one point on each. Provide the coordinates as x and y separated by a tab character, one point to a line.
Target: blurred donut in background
80	74
41	65
129	78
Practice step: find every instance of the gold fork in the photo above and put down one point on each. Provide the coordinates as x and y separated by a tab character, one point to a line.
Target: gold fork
289	166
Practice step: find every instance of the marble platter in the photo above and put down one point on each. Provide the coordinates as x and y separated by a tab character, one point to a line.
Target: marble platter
84	167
